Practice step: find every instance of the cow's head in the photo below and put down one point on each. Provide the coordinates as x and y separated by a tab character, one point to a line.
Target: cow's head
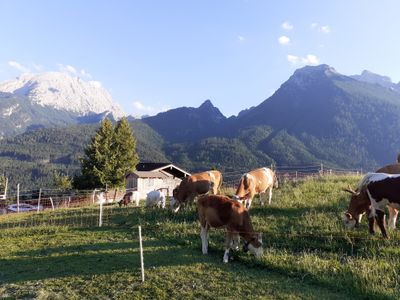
254	246
359	203
245	184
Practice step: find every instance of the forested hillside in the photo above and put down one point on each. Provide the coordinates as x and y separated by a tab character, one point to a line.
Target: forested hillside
32	158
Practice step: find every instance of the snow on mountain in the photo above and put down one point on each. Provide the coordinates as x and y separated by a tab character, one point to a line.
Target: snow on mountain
63	92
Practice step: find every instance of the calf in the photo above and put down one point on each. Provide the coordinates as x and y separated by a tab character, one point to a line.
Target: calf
360	204
254	183
129	197
124	201
155	198
221	212
382	189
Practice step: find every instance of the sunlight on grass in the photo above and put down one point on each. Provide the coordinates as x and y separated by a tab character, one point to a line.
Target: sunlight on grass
308	254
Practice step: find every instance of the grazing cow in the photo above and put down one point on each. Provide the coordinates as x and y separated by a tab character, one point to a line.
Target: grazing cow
130	197
382	189
219	211
194	185
360	204
124	201
254	183
155	198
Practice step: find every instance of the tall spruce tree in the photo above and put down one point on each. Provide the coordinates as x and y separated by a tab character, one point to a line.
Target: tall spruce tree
124	149
109	157
97	164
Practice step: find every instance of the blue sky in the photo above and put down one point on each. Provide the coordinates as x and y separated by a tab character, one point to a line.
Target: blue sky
154	55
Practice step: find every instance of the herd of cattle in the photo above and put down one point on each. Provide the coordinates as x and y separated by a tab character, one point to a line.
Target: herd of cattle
374	192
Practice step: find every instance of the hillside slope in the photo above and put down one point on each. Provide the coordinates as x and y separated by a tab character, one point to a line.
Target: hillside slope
31	158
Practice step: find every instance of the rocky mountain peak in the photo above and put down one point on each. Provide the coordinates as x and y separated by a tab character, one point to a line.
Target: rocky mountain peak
63	92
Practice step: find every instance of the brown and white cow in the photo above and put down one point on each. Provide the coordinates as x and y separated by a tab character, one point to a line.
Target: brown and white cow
256	182
194	185
221	212
360	204
382	189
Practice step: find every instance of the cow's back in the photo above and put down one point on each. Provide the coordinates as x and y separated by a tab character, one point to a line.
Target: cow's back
264	178
218	210
200	183
390	169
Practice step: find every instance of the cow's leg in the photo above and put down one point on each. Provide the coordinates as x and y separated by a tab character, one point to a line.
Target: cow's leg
371	221
270	195
380	219
261	199
228	242
392	217
371	224
204	239
235	242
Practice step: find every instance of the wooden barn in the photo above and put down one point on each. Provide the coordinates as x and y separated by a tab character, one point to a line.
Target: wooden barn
155	176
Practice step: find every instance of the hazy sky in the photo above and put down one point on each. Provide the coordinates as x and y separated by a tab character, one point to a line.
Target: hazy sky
154	55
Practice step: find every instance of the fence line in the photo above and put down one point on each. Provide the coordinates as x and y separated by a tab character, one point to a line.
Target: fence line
55	199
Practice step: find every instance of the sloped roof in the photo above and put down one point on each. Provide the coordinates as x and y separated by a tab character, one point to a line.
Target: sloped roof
162	167
148	174
150	166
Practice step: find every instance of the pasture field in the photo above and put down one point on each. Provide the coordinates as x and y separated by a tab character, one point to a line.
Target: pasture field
307	253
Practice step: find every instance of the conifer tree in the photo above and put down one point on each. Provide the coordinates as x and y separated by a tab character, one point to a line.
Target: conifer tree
97	164
109	157
124	149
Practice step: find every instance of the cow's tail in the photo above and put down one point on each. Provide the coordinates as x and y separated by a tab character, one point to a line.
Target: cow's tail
220	184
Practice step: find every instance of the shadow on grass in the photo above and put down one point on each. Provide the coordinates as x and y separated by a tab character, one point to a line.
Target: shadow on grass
95	259
124	257
108	258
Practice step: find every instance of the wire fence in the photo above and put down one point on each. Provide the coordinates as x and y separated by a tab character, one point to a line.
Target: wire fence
90	208
291	173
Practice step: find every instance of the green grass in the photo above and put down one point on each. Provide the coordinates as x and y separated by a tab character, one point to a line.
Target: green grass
308	254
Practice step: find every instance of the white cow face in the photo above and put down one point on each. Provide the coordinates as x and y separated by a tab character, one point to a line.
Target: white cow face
255	247
348	221
237	198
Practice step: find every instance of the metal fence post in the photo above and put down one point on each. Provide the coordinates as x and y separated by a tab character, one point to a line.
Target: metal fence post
101	213
141	253
18	197
40	196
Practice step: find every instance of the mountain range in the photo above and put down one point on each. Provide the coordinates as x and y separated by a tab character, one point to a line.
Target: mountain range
51	99
317	116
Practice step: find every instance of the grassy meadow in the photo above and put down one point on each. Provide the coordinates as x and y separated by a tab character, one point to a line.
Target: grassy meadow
307	253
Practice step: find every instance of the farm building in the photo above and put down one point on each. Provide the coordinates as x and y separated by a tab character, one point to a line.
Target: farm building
155	176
